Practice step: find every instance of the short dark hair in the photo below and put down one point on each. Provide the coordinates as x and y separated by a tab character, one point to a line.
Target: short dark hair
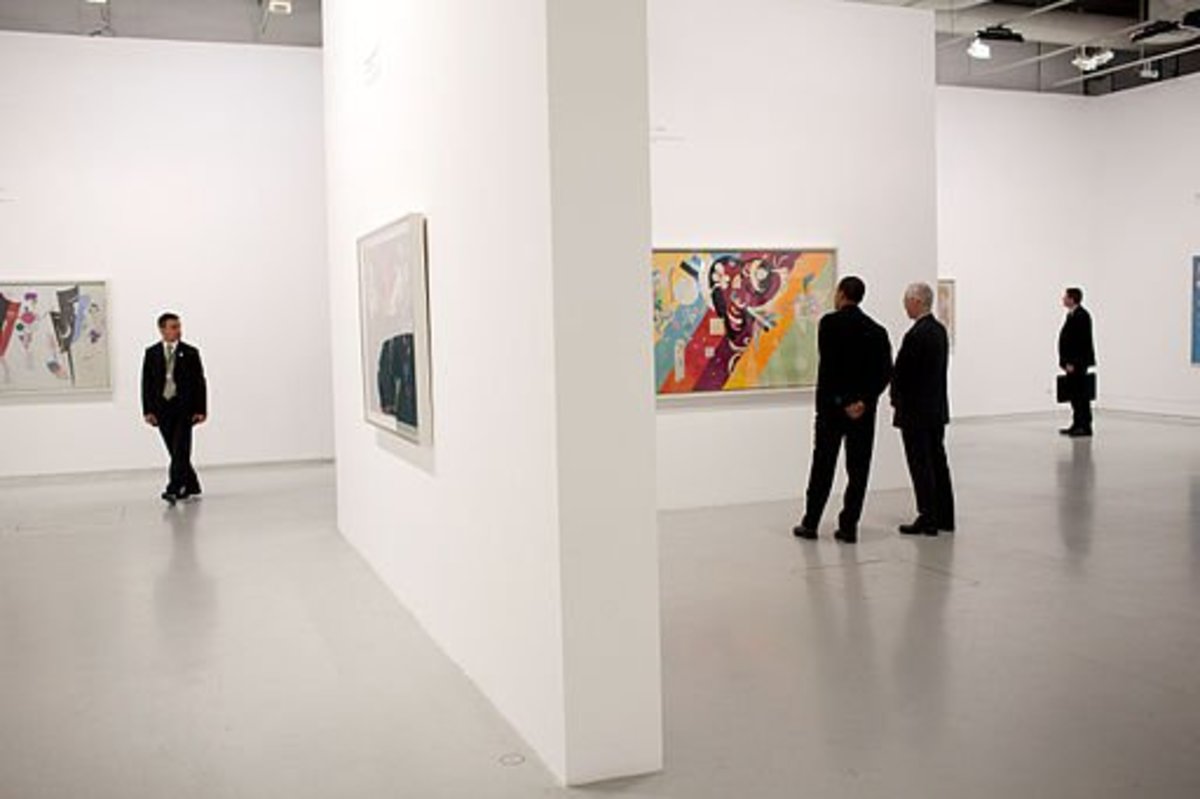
1076	294
853	289
164	318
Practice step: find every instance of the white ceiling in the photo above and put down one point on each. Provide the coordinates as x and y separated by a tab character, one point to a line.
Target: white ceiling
194	20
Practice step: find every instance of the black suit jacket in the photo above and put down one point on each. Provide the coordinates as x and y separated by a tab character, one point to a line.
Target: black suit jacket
919	392
190	386
856	360
1075	345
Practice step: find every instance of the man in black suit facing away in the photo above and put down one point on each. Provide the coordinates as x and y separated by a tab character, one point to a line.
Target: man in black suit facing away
855	367
1076	355
922	411
174	399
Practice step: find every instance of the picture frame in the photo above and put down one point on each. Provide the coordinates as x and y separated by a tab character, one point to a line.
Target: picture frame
394	329
739	321
54	338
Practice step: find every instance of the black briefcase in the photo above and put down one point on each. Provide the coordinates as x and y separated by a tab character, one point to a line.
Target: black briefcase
1065	393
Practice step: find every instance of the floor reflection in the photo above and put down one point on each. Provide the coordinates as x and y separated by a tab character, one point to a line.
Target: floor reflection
843	648
184	595
921	652
1076	493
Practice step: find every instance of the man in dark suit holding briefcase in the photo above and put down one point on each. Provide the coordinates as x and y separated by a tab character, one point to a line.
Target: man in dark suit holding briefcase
1076	355
174	399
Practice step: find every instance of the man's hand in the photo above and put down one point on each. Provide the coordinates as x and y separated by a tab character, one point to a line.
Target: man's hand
151	420
199	418
856	410
1069	369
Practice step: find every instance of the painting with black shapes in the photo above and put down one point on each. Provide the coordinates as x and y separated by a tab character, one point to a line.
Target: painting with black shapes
54	338
394	311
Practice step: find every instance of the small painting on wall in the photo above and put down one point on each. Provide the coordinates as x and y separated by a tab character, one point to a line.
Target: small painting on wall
54	338
394	311
1196	310
946	306
739	320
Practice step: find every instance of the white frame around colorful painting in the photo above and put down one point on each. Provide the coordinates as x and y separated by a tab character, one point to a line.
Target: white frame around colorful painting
99	354
727	395
398	248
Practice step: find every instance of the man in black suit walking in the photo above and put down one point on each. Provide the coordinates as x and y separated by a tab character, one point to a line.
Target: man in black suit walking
922	411
855	367
174	399
1076	355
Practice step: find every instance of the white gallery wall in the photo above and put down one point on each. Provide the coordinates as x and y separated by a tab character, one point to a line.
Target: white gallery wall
189	176
765	134
1016	182
525	543
1039	192
1150	232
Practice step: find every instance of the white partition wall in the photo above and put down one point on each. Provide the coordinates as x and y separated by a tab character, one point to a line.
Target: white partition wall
525	541
1017	175
787	123
1149	202
1041	192
189	177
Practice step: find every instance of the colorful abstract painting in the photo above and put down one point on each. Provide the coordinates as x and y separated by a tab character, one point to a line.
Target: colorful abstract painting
54	338
1196	310
739	320
394	307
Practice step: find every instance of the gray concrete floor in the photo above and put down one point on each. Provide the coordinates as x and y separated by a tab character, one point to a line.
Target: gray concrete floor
236	647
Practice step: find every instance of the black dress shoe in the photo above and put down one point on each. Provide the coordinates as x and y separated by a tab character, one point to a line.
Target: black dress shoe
918	529
1066	431
1080	433
847	536
804	531
170	497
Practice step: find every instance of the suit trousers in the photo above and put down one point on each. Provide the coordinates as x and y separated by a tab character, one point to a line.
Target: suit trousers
929	467
831	430
1081	401
175	426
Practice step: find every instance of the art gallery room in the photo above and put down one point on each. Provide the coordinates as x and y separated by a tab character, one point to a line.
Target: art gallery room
466	398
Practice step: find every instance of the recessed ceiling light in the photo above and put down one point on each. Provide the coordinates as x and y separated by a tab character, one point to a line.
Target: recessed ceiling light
979	50
96	2
282	7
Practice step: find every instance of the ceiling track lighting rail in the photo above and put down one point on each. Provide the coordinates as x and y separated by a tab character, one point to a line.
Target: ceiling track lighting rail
1055	53
1131	65
1034	13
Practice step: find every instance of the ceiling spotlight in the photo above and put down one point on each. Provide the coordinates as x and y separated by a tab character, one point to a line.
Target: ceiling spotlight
281	7
979	50
1091	59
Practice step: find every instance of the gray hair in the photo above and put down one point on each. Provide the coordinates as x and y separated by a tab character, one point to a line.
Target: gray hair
922	293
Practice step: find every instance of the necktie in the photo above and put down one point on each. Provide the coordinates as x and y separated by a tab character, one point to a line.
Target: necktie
169	389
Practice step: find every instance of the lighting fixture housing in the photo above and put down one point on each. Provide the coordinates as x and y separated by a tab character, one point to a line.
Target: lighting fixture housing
1091	59
281	7
999	33
979	50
